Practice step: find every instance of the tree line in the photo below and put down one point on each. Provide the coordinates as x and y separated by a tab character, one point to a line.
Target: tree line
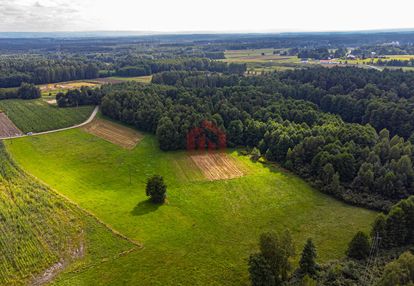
396	63
25	91
142	67
38	70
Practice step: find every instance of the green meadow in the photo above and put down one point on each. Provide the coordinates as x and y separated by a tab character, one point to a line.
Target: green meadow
262	60
204	233
142	79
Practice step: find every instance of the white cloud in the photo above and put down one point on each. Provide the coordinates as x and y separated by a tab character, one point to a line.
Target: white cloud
196	15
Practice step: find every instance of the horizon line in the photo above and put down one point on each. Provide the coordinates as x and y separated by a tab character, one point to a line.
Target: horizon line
218	32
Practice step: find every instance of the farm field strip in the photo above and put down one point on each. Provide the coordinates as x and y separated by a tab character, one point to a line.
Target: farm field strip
217	166
7	127
114	133
120	79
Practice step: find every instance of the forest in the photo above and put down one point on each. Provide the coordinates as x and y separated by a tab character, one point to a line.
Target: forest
15	70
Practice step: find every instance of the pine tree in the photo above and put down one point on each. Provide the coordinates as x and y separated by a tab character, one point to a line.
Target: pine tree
396	229
359	246
307	261
378	228
260	271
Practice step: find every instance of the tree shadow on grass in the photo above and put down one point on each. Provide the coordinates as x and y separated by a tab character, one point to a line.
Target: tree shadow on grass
144	207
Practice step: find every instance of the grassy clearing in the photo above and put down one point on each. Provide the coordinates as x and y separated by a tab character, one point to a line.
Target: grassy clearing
51	89
265	60
142	79
207	229
37	115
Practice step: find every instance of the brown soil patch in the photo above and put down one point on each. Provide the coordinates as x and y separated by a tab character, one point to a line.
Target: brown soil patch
7	127
114	133
217	166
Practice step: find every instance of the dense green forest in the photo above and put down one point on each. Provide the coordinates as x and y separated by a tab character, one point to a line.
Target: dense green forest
15	70
33	69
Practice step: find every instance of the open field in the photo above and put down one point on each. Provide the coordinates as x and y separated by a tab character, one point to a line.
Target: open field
52	89
217	166
41	233
372	61
36	115
259	60
205	232
114	133
119	79
7	127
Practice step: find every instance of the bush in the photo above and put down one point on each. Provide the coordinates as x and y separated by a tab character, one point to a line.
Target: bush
255	154
156	189
399	272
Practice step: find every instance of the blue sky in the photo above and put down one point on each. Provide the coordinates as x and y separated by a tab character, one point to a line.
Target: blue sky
212	15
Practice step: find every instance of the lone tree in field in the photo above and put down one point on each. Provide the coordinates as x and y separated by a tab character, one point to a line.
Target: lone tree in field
307	261
156	189
359	246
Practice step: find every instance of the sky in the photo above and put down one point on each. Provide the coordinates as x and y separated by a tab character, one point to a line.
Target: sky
204	16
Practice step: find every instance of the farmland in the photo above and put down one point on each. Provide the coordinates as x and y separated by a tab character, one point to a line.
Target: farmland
258	60
42	231
114	133
141	79
267	60
7	127
205	232
217	165
37	115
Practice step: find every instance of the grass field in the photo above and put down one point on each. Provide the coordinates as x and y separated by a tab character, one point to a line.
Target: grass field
37	115
205	232
259	60
40	230
142	79
375	60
